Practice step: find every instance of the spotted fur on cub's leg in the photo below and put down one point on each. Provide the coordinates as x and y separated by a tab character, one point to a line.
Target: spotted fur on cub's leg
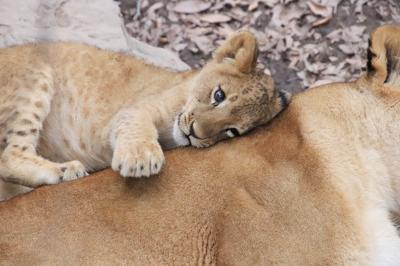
22	117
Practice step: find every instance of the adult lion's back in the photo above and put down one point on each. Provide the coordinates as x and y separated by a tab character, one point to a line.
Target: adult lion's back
253	201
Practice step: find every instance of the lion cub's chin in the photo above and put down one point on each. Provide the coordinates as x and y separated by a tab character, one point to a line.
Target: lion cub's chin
179	137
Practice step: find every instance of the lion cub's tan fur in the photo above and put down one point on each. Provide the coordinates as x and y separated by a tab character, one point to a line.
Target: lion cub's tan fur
68	108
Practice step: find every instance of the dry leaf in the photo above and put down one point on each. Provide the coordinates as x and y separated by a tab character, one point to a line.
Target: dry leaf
225	30
204	43
320	10
321	82
282	15
347	49
333	58
359	5
267	71
331	3
269	3
191	6
321	21
335	35
155	7
253	5
354	34
238	13
215	18
180	46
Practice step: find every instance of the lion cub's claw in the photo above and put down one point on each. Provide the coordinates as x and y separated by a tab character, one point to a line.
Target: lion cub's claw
140	159
72	170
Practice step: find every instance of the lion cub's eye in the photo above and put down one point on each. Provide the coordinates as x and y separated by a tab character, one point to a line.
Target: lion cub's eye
219	95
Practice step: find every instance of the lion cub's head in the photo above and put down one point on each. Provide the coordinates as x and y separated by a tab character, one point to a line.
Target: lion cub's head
228	96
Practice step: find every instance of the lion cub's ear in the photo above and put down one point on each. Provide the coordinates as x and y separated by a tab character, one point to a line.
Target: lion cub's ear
383	64
241	49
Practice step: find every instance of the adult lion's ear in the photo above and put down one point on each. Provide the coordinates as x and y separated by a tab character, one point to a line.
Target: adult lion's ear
383	65
241	49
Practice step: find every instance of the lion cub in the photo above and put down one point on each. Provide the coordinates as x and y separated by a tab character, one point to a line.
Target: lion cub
61	102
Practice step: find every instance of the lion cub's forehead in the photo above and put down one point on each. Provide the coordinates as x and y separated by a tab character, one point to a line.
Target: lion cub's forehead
250	86
257	87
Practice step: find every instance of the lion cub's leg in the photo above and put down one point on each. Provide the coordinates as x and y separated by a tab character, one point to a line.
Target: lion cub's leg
24	107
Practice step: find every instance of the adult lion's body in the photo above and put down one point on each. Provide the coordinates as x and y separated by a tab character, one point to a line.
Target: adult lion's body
292	194
314	188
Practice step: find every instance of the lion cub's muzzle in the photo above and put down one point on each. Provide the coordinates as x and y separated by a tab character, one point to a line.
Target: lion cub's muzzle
186	124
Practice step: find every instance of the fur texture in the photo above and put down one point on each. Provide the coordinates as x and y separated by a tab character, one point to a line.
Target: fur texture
317	187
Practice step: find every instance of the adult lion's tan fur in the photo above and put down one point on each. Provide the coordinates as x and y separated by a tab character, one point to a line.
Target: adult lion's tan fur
316	187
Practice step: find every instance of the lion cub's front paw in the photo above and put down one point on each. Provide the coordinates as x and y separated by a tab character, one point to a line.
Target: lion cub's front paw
141	158
72	170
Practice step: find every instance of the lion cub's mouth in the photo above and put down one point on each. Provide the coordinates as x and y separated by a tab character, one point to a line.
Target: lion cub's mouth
180	138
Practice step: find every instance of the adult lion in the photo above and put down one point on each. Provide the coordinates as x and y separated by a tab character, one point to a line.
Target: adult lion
315	188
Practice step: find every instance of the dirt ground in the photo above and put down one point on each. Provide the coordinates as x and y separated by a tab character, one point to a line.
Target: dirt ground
302	43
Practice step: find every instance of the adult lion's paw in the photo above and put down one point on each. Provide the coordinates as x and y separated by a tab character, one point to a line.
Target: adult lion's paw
138	159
